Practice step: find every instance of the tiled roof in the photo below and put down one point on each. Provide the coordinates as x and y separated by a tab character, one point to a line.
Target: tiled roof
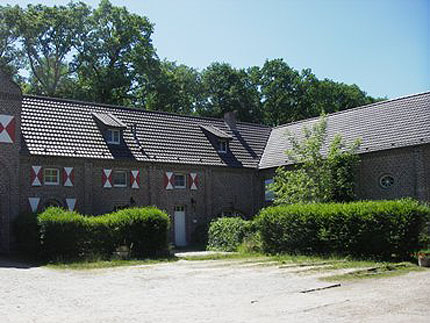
383	125
56	127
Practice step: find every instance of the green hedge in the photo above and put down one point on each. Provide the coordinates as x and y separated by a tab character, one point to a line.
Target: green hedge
376	228
226	234
69	235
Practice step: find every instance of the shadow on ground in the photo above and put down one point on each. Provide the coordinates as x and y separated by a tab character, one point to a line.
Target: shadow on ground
17	262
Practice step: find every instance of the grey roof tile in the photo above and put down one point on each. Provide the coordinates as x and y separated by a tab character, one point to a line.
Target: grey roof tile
56	127
383	125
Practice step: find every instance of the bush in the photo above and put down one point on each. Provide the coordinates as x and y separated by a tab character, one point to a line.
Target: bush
63	233
145	229
251	244
69	235
26	232
377	229
226	234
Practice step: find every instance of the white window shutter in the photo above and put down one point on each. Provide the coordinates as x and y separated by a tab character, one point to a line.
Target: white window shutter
68	176
36	176
168	180
107	178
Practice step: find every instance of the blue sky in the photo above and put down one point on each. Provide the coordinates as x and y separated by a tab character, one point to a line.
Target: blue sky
383	46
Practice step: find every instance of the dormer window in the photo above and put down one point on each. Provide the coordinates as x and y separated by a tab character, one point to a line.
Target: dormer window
113	136
218	138
110	126
222	146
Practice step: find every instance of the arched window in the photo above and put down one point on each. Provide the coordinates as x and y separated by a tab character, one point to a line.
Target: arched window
52	203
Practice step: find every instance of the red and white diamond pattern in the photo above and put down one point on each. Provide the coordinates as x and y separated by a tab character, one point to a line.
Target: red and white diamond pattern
193	181
169	179
134	179
7	129
36	176
68	176
107	178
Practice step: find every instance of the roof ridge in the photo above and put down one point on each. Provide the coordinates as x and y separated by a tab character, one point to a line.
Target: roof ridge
353	109
107	105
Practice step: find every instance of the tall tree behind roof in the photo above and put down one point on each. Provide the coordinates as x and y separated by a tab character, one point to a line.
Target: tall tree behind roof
10	54
49	37
115	55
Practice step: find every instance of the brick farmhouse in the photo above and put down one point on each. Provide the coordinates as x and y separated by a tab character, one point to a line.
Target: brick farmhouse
95	158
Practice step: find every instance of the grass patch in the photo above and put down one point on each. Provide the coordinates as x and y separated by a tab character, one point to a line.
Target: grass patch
222	255
98	264
383	270
365	268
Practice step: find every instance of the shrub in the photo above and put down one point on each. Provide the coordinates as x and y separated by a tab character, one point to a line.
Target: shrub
63	233
375	228
226	234
145	229
26	232
251	243
69	235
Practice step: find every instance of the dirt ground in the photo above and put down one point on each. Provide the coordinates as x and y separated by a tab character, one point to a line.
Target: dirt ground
206	291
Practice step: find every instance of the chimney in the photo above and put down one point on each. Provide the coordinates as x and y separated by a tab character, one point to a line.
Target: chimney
230	119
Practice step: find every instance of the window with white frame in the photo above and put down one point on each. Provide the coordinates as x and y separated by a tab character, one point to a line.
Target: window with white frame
222	146
269	195
51	176
113	136
119	179
179	181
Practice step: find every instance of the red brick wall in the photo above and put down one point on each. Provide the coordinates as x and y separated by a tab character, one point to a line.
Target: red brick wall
10	104
219	188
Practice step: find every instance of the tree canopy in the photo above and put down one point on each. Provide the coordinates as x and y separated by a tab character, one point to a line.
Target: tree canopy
105	54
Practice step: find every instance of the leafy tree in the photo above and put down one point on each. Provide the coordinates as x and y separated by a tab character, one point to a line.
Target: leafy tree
228	89
48	36
116	55
279	90
315	176
176	88
9	51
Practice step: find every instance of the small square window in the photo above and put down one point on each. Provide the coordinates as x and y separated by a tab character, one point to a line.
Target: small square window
222	146
180	181
119	179
113	136
51	176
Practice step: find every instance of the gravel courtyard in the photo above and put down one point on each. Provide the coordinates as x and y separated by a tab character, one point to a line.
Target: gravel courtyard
206	291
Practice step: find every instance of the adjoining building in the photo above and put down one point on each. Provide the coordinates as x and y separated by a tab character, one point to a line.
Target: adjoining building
95	158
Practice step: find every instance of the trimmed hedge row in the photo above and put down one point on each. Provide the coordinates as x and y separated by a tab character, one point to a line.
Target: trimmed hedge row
377	229
68	235
226	234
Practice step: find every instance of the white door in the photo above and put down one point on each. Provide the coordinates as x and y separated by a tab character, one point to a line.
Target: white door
180	231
